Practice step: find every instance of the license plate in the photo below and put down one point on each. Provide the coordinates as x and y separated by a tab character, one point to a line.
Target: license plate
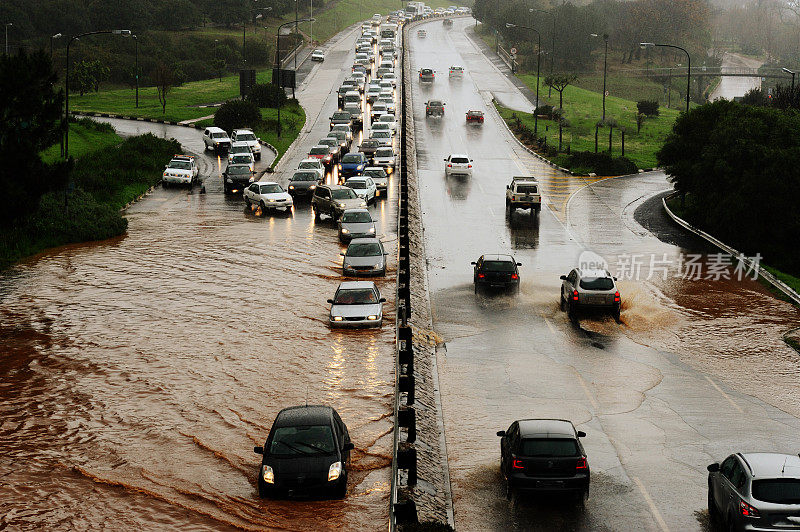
549	483
597	300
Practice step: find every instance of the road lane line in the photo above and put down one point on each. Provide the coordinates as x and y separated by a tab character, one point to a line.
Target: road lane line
725	395
589	395
550	326
656	514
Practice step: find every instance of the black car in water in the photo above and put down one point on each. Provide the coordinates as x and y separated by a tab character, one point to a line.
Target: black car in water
303	183
307	452
496	271
236	177
544	455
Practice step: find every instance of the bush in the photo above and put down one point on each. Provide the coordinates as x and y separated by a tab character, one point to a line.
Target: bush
545	110
647	107
267	95
237	114
602	163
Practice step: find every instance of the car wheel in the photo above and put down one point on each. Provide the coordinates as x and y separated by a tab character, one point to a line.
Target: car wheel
263	491
476	287
562	303
572	313
263	208
332	214
713	513
615	314
509	490
247	202
258	157
340	491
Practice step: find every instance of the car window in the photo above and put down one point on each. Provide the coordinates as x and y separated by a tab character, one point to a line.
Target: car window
727	467
271	189
497	266
381	134
355	183
219	135
304	176
597	283
319	150
322	193
180	165
527	189
303	440
459	160
356	296
308	164
245	136
240	159
777	490
238	169
573	276
548	447
352	158
343	193
376	174
358	217
384	152
358	249
738	476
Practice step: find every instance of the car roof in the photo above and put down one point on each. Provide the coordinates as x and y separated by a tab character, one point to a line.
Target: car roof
215	129
593	272
497	257
375	168
310	160
336	187
357	210
240	143
459	155
365	240
352	285
242	130
303	415
773	465
269	182
545	428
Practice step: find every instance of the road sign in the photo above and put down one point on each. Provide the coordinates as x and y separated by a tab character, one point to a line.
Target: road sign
513	51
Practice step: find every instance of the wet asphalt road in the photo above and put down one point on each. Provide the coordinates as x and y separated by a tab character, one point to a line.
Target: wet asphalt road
695	371
139	372
731	87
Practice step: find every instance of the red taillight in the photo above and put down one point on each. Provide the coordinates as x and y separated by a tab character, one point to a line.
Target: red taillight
449	165
581	463
517	464
481	275
747	510
574	295
616	297
514	276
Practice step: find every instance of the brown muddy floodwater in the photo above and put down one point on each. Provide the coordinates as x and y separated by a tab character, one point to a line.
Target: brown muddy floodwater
138	373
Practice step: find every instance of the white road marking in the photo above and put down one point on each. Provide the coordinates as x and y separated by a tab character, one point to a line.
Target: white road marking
725	395
589	395
550	326
656	514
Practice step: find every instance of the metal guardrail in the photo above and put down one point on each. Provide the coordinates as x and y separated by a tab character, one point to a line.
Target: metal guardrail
764	274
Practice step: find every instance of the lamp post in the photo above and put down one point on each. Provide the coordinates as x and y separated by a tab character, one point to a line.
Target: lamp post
689	65
278	59
605	69
792	73
552	46
244	32
56	36
7	24
538	60
136	76
125	33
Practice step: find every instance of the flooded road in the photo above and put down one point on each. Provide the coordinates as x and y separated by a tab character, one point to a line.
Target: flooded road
138	373
695	371
731	87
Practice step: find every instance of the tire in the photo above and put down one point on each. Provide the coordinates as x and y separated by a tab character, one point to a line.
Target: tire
509	490
562	303
247	202
713	513
572	313
316	213
615	313
258	157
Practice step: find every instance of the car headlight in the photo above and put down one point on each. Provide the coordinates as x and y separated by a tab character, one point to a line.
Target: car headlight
340	166
291	187
252	178
337	318
371	229
390	168
342	205
345	231
229	180
312	187
270	200
363	203
372	317
268	475
360	167
334	471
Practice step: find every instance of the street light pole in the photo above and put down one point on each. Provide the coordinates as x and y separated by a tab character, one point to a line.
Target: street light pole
605	69
66	80
552	46
538	61
56	36
295	49
278	59
7	25
689	65
137	69
792	73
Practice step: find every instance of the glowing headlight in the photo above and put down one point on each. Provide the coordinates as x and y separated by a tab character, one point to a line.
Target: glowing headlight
363	204
312	187
334	471
337	318
252	179
342	205
371	229
360	167
270	200
345	231
372	317
268	475
291	187
340	166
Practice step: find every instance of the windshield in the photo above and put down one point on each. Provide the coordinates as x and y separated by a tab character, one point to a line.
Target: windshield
343	193
298	441
549	447
304	176
352	158
240	149
597	283
180	165
378	134
309	164
384	152
341	127
381	126
356	296
271	189
356	184
329	142
245	136
241	159
319	150
498	266
369	143
379	174
340	115
358	249
386	118
777	490
358	217
238	169
219	135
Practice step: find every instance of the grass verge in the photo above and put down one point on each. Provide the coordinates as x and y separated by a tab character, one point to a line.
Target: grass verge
105	181
293	118
85	136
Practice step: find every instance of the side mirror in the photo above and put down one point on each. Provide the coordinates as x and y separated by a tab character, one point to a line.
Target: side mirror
519	264
615	278
501	433
563	277
348	446
382	300
342	254
473	263
445	159
330	301
713	468
581	434
258	450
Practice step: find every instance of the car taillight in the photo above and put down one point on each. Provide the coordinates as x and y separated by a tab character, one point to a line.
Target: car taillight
514	276
518	464
581	463
481	275
616	297
747	510
574	295
469	166
449	165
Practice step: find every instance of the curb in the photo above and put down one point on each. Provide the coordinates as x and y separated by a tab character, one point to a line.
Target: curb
764	274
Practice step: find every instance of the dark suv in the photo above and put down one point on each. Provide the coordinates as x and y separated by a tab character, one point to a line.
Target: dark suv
544	455
333	200
426	75
755	491
496	271
307	451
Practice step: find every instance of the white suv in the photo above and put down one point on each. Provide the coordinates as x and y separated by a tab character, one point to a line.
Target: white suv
245	135
216	139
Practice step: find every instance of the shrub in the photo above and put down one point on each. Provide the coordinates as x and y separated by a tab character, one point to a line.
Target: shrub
545	110
237	114
602	163
267	95
647	107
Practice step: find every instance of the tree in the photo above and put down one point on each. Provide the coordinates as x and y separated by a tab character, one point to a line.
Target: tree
87	75
163	78
267	95
559	82
237	114
30	111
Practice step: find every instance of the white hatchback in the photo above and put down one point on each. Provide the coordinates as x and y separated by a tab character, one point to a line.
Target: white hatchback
364	187
267	195
458	164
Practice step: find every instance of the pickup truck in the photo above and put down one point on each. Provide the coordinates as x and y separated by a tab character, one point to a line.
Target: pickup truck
434	108
523	193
